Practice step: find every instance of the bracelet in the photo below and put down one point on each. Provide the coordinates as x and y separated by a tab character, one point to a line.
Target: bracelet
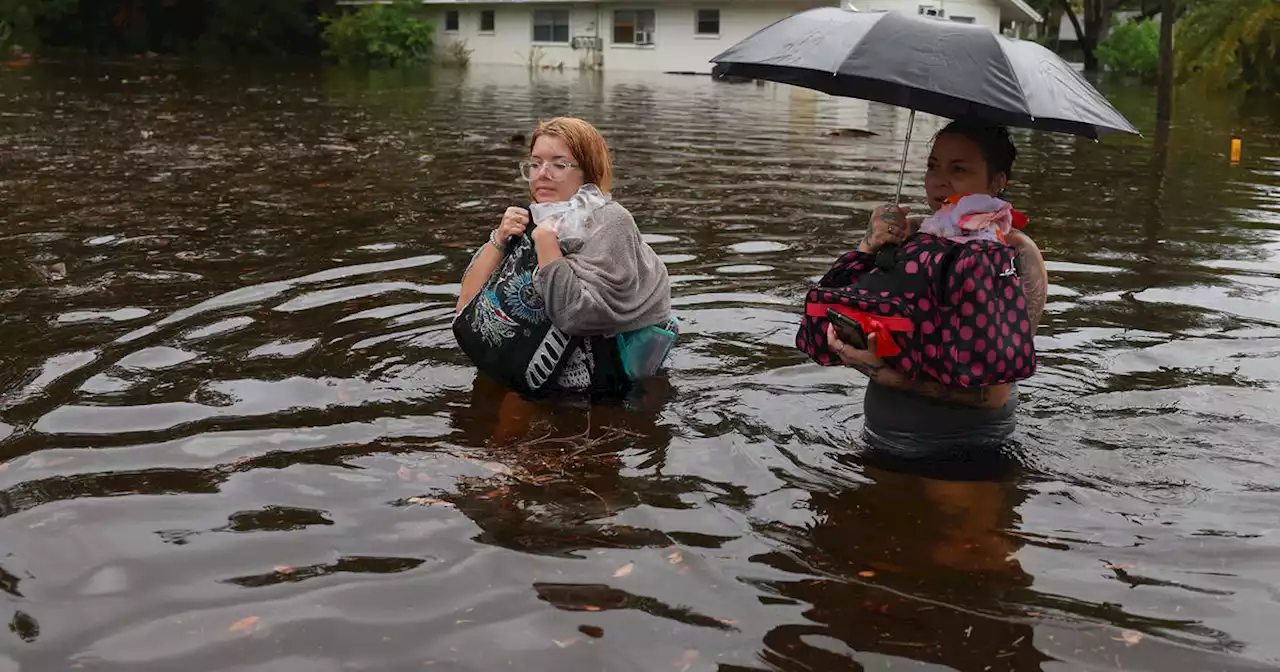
493	240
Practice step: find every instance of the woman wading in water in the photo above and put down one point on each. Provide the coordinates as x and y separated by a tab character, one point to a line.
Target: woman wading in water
921	417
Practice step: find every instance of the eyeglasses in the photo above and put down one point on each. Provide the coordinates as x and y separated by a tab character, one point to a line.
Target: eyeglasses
556	170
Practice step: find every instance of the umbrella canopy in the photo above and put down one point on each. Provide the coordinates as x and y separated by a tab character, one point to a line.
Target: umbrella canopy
942	67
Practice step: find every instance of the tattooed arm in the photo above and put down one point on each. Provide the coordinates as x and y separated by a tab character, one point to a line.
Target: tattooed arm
871	366
1035	277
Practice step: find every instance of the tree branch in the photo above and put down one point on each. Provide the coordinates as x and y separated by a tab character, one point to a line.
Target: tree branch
1075	21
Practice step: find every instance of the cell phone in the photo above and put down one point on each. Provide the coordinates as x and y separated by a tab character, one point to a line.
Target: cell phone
848	329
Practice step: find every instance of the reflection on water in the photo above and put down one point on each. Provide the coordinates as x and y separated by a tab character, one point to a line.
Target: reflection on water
235	432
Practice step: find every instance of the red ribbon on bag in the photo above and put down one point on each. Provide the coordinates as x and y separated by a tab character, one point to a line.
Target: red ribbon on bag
882	326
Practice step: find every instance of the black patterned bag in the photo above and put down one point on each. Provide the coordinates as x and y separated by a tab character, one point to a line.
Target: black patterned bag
506	332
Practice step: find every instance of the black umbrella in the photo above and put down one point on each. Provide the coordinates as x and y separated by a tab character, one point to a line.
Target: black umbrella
946	68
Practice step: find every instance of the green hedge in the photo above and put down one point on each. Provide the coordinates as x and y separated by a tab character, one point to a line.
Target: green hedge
378	35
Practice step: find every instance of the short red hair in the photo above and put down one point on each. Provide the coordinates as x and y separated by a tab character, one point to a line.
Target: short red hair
589	148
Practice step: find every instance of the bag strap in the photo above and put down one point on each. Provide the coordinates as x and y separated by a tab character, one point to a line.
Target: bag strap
887	257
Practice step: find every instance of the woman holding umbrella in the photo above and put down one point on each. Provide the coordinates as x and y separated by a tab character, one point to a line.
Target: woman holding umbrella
967	157
955	71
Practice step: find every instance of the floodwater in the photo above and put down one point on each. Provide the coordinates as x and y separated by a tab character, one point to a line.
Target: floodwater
236	434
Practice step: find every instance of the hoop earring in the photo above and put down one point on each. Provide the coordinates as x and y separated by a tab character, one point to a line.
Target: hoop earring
1003	188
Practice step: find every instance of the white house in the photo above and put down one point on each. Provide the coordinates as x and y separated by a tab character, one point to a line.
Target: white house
1002	16
661	35
651	35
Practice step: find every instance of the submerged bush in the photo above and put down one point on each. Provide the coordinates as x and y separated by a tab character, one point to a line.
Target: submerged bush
456	54
378	35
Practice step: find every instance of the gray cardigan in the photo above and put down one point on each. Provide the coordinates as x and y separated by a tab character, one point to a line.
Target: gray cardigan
611	283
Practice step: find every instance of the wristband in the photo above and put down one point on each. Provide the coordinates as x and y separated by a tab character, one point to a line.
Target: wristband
493	240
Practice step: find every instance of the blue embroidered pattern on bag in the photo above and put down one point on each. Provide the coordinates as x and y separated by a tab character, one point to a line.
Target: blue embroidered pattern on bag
491	322
523	300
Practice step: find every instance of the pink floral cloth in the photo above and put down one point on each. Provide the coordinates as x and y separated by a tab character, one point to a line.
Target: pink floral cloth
972	217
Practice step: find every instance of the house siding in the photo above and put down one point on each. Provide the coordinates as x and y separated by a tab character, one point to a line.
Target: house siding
676	46
983	12
511	41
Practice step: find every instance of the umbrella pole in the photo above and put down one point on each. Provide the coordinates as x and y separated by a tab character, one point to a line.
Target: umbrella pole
886	256
902	171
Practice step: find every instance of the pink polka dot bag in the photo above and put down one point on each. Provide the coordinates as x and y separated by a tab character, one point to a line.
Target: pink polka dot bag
953	312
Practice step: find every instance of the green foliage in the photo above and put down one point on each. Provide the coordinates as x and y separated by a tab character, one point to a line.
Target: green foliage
378	35
19	18
259	27
163	26
1132	48
1231	44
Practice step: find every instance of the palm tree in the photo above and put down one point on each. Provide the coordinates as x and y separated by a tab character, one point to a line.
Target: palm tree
1231	43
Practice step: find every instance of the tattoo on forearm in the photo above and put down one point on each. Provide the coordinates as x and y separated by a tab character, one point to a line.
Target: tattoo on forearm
1035	282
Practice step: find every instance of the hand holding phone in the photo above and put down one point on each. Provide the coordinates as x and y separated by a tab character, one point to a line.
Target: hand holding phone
847	329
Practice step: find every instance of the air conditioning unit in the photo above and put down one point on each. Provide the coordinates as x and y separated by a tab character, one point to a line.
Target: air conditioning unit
644	37
936	12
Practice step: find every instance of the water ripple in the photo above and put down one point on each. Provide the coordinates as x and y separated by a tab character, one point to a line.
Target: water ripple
236	433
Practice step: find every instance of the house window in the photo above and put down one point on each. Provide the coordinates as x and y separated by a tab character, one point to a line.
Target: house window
708	22
451	21
633	26
486	21
962	19
551	25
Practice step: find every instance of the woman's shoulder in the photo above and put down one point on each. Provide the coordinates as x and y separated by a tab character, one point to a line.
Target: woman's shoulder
1019	237
616	210
1028	252
617	220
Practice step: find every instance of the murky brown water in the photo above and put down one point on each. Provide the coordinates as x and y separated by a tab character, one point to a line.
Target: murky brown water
235	433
